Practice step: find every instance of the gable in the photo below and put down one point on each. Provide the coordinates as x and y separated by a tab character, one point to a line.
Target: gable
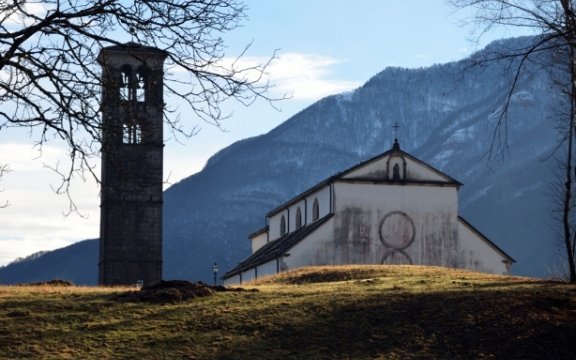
381	169
397	166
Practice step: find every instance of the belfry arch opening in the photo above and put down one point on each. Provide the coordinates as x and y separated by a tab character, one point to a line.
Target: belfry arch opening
140	85
125	82
133	83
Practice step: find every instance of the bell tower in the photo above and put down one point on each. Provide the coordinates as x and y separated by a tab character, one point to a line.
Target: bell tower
132	159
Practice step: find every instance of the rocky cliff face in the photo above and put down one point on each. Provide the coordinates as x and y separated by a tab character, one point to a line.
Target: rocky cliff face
447	115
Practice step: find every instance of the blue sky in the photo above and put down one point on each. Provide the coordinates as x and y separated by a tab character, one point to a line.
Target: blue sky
324	47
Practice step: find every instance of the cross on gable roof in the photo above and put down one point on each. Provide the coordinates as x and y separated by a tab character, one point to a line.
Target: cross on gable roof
354	173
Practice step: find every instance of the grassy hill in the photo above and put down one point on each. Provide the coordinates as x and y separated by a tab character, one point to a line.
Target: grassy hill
352	312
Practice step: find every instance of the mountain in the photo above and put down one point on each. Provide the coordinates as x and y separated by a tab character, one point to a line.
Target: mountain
76	263
447	115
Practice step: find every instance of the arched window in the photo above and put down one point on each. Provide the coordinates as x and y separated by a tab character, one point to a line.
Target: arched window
396	168
140	84
132	84
282	226
315	210
396	172
131	132
125	82
298	218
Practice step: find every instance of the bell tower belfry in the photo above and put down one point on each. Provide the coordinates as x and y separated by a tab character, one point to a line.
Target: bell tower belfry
132	159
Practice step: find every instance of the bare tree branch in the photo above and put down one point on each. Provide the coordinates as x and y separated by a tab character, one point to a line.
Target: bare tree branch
555	22
50	81
4	169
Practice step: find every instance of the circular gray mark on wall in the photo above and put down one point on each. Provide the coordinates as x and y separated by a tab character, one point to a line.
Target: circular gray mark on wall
397	230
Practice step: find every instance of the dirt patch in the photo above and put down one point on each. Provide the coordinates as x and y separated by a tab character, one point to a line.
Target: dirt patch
55	282
173	291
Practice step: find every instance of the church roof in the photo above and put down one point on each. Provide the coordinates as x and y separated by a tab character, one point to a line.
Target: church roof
131	48
395	150
276	249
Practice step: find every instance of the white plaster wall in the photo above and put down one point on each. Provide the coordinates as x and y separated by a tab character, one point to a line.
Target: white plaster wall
417	171
267	269
248	275
383	198
306	206
362	209
477	254
274	224
258	241
294	210
378	170
234	280
314	250
323	196
260	271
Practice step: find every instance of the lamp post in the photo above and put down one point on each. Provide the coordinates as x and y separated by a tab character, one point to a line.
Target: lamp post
215	269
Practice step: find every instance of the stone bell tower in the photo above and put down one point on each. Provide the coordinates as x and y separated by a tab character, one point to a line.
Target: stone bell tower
132	150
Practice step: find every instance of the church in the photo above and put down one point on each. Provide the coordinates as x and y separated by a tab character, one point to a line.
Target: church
391	209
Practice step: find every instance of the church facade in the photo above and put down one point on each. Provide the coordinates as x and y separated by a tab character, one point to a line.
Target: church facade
391	209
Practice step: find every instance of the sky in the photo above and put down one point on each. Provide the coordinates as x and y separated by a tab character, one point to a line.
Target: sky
323	47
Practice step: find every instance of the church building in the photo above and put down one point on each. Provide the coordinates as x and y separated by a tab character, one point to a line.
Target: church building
391	209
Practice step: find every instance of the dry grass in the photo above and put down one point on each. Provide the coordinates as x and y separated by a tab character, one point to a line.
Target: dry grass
352	312
392	274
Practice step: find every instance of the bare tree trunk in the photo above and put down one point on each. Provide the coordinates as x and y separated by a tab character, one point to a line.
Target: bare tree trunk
555	21
567	201
4	169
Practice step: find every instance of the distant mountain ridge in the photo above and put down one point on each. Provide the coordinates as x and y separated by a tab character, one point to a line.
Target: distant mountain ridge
447	115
